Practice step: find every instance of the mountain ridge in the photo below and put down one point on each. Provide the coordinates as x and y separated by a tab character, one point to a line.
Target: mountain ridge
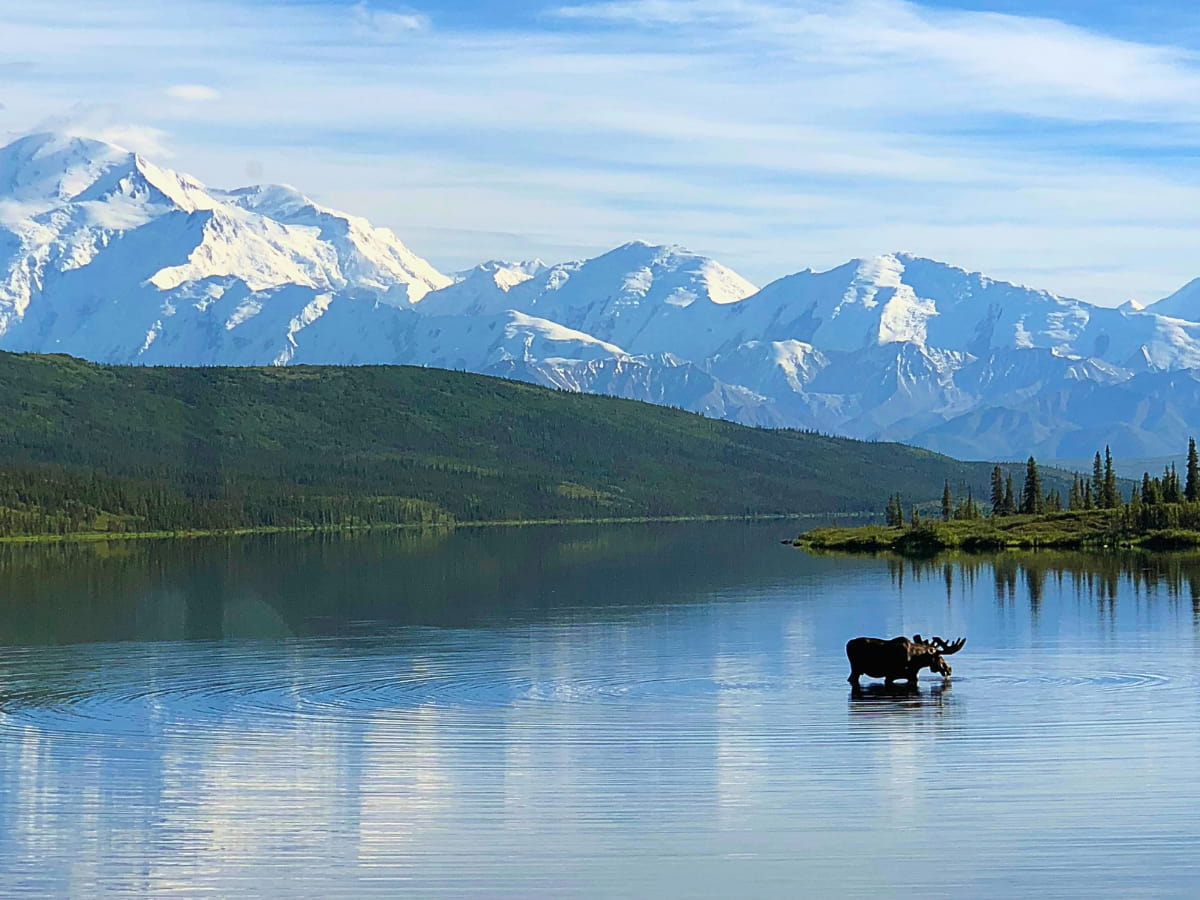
110	257
85	446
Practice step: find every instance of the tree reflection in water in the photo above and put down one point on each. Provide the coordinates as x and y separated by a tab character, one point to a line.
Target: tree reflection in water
1099	577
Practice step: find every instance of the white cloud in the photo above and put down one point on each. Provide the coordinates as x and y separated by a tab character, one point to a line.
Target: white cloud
1024	64
192	93
103	121
772	135
386	25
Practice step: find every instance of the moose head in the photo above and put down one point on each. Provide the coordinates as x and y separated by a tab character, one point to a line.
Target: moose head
932	653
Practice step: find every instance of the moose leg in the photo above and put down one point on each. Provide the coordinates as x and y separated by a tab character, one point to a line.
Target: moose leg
854	676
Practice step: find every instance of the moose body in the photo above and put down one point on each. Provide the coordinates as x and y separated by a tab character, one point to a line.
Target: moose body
898	659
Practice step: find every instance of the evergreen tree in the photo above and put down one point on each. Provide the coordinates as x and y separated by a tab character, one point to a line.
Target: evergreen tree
1010	500
1075	497
947	502
1111	499
1089	501
915	521
1098	481
1171	490
997	491
1053	502
1135	512
1191	489
1148	492
967	508
1032	502
1156	492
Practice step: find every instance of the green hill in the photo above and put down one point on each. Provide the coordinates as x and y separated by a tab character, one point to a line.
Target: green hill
87	448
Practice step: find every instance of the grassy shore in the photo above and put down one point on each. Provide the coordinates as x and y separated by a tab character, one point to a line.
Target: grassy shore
1097	528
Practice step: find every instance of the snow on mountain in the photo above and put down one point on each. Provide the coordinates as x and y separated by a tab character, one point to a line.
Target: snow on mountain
483	290
642	297
1151	414
900	298
1183	304
107	256
661	378
366	257
477	343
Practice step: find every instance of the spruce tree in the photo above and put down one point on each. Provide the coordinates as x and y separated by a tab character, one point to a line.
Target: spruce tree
1032	502
1111	499
1137	512
1098	481
1171	490
947	502
1191	489
997	491
1148	489
1010	500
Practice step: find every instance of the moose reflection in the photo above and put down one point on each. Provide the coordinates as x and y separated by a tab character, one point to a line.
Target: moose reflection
899	658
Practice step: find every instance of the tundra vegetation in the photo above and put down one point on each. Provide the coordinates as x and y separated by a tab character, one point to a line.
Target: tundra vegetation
1157	512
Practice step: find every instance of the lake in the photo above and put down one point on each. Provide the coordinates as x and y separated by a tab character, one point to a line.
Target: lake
632	711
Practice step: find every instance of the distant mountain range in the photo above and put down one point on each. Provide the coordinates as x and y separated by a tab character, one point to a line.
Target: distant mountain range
106	256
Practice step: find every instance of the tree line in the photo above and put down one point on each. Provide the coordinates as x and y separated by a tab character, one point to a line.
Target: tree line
1161	501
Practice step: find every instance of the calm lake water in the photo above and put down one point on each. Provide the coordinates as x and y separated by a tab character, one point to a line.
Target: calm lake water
642	711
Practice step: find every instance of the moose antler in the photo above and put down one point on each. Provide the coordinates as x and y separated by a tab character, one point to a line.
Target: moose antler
947	649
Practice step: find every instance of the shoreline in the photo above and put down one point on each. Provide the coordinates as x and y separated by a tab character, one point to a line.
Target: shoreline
1094	530
100	536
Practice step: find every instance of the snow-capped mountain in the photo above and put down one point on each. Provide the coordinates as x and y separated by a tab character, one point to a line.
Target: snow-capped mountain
644	298
105	255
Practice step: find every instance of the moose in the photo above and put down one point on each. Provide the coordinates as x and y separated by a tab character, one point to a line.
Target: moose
899	658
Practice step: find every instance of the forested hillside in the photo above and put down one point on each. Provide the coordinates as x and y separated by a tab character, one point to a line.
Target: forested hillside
86	447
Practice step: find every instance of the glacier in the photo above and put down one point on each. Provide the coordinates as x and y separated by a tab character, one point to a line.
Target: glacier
108	256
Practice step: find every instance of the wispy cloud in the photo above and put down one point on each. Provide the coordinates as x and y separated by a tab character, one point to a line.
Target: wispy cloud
192	93
774	135
1025	65
385	24
104	122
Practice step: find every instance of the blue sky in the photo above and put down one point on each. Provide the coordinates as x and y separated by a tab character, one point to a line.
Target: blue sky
1057	144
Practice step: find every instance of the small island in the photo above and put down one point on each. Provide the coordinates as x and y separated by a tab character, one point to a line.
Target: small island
1159	513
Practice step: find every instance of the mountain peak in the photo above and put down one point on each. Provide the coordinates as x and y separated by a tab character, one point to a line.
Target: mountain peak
640	249
270	199
646	264
1183	304
50	166
86	218
44	143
